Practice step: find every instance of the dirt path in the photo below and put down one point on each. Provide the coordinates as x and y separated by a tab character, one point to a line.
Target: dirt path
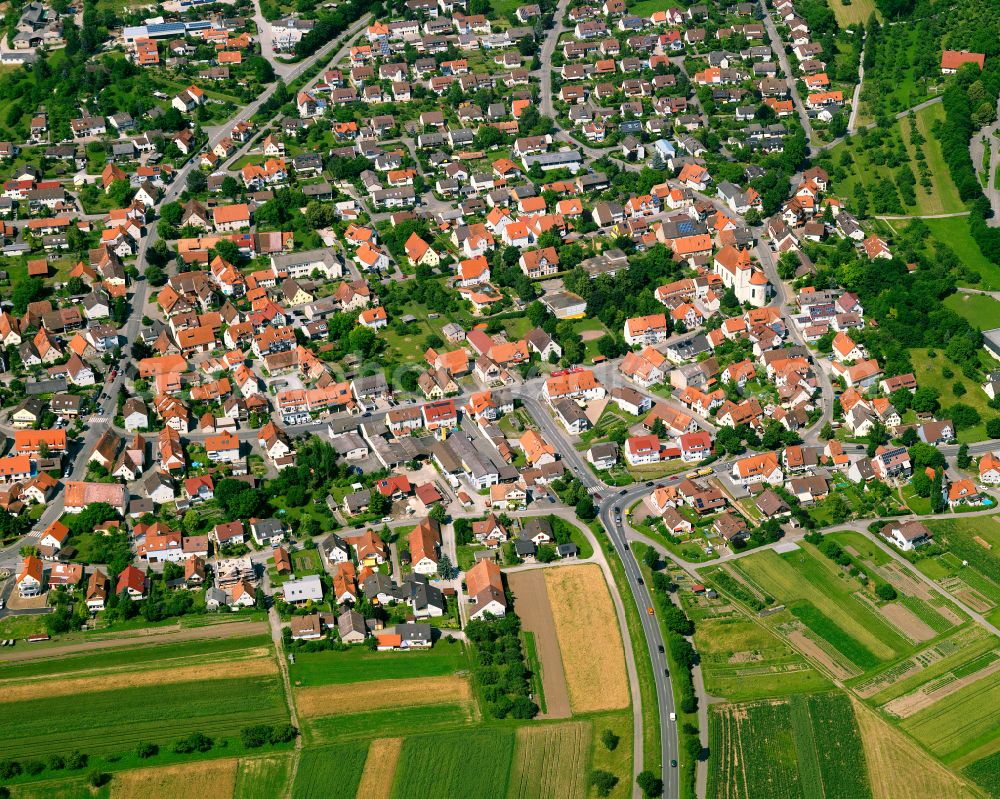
156	635
274	622
531	599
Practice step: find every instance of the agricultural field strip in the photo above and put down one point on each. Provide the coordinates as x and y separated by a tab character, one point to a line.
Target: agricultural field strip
264	777
940	658
114	720
936	690
550	761
791	583
438	765
894	760
358	665
328	700
321	769
52	686
148	656
756	751
380	768
968	719
215	778
387	722
583	613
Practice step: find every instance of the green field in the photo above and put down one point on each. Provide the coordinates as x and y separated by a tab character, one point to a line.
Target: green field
866	171
385	723
859	11
360	665
455	765
112	721
962	722
262	777
980	310
331	770
821	595
149	656
805	748
955	233
929	372
742	660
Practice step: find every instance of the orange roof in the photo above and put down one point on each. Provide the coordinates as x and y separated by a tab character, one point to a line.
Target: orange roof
953	59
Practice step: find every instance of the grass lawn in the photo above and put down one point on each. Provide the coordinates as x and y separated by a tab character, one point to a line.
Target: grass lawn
21	626
359	665
920	505
306	561
857	11
955	233
942	197
980	310
929	373
646	7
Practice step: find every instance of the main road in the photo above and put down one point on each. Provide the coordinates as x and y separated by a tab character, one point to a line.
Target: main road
610	508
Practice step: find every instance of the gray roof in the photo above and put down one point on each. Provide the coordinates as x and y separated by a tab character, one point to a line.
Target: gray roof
414	632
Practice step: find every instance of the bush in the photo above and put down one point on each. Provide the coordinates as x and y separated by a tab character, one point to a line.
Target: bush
651	784
77	760
885	591
282	733
33	767
57	762
610	740
255	736
195	742
96	778
146	750
603	781
9	769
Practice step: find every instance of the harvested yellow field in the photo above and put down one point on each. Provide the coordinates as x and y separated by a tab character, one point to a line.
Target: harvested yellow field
893	760
550	761
590	640
49	686
380	768
208	778
334	700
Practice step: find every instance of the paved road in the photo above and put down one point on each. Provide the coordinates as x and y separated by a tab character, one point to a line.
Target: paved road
265	35
610	509
778	46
